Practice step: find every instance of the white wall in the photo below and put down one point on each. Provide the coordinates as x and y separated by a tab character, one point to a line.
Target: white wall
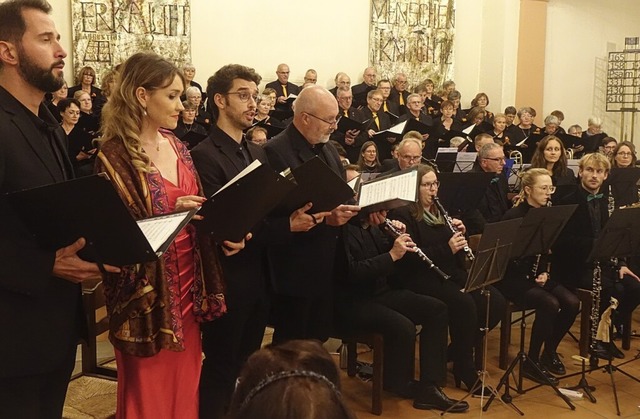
579	33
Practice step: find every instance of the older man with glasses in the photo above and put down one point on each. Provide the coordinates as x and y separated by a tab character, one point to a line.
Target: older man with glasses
495	202
302	268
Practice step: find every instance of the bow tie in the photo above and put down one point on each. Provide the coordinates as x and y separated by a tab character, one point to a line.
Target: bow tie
592	196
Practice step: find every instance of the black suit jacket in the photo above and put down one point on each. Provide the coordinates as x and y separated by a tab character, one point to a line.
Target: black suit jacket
285	108
217	163
572	248
353	150
360	94
40	315
394	97
384	148
303	267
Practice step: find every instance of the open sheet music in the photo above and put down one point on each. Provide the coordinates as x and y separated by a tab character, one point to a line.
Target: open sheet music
388	192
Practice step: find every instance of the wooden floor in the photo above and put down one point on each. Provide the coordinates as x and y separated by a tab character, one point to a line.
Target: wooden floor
538	403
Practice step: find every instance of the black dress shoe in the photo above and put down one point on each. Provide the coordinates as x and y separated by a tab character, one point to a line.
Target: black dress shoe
432	397
553	364
534	375
604	350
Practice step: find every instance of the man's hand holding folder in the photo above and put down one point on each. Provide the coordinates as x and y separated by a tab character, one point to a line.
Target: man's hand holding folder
69	266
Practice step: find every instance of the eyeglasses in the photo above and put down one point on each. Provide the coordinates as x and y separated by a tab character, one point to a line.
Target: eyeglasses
547	188
244	96
624	153
498	159
411	159
71	113
334	123
431	185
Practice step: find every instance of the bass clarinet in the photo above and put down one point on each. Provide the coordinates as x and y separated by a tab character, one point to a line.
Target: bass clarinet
449	221
393	231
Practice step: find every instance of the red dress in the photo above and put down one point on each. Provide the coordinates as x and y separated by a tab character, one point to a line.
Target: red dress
166	385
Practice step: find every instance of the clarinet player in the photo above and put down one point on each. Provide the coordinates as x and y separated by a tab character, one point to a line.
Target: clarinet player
574	244
426	226
528	283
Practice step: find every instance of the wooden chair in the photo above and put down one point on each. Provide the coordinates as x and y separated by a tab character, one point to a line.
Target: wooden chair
376	341
98	323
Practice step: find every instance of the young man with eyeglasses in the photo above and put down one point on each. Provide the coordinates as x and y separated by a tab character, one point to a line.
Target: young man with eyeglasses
229	341
573	246
302	268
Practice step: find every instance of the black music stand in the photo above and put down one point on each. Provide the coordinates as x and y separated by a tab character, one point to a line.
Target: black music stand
618	239
488	267
539	230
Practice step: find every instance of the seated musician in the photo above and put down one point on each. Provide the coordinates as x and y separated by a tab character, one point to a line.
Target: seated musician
495	202
528	283
426	225
550	154
366	303
572	249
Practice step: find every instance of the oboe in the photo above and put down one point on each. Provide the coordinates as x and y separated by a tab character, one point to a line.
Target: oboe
393	231
449	221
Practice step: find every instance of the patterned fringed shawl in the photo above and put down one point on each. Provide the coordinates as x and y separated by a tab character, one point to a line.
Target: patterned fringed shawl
144	310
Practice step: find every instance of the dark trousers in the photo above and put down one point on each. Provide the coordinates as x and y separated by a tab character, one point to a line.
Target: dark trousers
227	343
395	314
302	317
556	310
38	396
462	313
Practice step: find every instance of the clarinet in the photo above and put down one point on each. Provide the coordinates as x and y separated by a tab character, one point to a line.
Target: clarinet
396	233
595	312
611	202
536	264
449	221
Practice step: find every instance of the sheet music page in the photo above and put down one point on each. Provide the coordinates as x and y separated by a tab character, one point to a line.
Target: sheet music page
353	182
397	129
468	129
158	229
522	142
447	150
254	165
466	156
401	186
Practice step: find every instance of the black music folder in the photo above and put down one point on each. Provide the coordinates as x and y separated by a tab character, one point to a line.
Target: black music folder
413	125
623	183
390	191
460	192
272	130
238	206
59	214
316	183
348	124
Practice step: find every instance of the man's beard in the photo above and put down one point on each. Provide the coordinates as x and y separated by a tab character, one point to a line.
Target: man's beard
40	78
324	139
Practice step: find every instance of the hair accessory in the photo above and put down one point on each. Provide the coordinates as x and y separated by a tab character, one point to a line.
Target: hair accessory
284	375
